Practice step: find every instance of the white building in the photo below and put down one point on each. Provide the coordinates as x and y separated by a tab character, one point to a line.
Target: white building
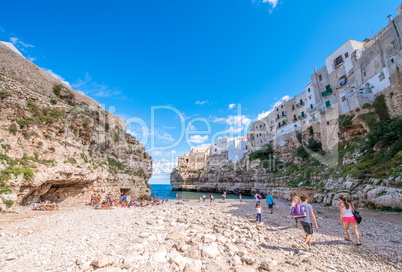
237	149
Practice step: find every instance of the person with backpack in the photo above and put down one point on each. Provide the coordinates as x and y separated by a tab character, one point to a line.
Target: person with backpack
294	211
257	198
270	202
347	217
306	222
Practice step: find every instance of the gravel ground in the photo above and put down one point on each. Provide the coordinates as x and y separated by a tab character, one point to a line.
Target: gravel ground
192	237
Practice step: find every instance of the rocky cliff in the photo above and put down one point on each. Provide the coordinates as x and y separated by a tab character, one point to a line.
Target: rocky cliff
58	144
368	170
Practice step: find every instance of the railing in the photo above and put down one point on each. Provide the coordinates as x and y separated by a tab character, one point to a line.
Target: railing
299	105
311	109
302	117
313	120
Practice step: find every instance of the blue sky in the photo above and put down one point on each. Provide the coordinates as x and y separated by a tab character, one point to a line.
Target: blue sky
205	59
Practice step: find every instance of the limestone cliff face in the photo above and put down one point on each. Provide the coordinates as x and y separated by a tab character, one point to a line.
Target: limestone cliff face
59	144
249	178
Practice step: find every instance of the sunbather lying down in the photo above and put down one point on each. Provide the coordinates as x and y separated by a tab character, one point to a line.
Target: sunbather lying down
104	206
45	206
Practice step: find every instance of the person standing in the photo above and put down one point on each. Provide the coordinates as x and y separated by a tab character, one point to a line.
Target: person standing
203	197
257	198
346	214
240	198
224	196
270	202
258	210
295	202
306	222
211	199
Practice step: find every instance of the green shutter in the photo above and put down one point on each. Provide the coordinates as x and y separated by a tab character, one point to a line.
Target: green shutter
327	91
328	104
302	113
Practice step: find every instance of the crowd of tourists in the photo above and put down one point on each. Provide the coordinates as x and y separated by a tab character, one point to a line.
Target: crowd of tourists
109	203
303	214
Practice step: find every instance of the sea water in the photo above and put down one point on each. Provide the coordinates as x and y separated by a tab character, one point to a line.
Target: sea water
165	191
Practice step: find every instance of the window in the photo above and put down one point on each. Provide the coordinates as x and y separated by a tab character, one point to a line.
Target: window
309	90
381	77
277	109
282	107
309	97
301	101
293	107
302	113
294	117
328	104
311	106
283	113
327	122
320	77
283	122
364	72
278	116
338	61
342	80
346	55
261	141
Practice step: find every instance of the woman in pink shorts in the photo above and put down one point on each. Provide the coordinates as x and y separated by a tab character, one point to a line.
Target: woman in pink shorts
346	214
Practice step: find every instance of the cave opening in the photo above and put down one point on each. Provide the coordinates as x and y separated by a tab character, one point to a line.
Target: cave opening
57	192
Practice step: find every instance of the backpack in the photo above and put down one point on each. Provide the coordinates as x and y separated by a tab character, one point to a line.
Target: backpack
298	212
259	196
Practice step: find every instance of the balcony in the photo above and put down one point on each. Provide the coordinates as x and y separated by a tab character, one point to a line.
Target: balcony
300	104
325	109
313	120
280	117
311	109
302	117
328	91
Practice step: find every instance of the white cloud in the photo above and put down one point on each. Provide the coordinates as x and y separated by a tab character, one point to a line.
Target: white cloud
60	78
31	59
273	3
155	152
166	127
17	41
236	123
163	166
198	139
164	136
206	102
231	106
91	87
219	120
278	103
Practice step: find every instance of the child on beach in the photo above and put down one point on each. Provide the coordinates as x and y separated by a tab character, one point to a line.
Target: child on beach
258	210
295	202
306	222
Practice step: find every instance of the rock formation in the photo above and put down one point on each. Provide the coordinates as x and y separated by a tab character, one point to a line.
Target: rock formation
60	145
